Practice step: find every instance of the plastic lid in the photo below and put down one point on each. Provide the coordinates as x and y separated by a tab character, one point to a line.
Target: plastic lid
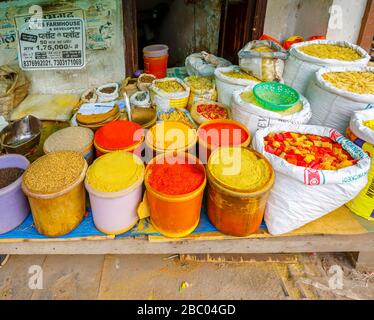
119	134
155	50
239	169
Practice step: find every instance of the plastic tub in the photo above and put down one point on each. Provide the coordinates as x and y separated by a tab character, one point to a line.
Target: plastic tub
61	141
205	149
12	197
235	211
182	137
58	213
156	60
116	212
175	216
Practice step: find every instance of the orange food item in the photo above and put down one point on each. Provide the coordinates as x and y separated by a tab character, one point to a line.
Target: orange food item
175	179
308	150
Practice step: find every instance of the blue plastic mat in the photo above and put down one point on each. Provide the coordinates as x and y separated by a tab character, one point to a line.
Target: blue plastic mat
87	228
27	230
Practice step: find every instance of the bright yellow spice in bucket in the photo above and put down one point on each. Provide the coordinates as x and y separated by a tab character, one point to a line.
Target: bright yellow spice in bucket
115	171
239	168
171	136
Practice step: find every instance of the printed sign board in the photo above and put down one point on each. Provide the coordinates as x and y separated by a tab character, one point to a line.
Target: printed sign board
57	43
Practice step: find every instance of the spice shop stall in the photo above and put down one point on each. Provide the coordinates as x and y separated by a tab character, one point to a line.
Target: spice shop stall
272	155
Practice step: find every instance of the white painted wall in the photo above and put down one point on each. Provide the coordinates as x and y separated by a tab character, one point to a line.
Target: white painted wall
345	20
285	18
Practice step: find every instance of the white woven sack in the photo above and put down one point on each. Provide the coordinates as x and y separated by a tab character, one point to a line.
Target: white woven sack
227	85
300	67
333	107
358	128
162	99
301	195
255	117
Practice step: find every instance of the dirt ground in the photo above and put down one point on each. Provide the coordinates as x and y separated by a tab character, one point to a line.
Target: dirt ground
303	276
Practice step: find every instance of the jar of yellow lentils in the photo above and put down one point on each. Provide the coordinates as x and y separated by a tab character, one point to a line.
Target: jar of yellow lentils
54	187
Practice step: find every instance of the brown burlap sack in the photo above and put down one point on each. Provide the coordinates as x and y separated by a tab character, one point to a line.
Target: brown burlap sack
14	87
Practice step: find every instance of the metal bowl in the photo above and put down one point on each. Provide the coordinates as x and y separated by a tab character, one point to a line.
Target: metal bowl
22	136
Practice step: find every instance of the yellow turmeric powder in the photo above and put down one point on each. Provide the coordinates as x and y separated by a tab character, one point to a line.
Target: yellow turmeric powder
239	168
115	171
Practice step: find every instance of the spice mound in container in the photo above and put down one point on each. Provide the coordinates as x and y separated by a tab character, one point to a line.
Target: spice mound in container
219	133
202	88
12	166
114	183
239	183
120	135
55	189
175	188
71	139
9	175
170	136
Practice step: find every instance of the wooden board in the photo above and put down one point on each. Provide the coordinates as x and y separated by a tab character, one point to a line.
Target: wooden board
308	243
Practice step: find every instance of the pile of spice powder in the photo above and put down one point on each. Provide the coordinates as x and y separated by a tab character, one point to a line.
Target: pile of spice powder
175	179
115	171
69	139
9	175
239	168
54	172
119	134
222	134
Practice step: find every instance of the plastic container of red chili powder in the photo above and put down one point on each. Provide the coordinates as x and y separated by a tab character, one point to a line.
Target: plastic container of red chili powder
221	133
175	187
120	135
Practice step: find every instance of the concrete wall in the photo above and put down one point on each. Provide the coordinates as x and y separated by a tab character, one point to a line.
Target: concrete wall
345	21
285	18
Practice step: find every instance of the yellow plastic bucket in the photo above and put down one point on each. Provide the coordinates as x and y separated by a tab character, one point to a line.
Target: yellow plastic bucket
234	210
58	213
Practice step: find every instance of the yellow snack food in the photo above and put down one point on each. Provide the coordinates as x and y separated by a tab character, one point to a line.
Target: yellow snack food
369	124
330	51
169	86
176	115
200	83
249	97
239	168
240	75
115	171
353	81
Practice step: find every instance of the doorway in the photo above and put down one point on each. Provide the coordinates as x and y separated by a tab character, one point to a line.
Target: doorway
220	27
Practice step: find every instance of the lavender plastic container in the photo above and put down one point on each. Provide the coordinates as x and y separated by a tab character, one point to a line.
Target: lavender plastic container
14	206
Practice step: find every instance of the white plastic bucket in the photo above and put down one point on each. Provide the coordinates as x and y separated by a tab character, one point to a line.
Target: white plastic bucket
115	212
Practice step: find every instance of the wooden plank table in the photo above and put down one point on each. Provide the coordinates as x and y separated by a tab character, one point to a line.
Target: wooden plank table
340	231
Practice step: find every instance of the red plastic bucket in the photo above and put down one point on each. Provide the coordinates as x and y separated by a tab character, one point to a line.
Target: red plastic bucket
156	60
